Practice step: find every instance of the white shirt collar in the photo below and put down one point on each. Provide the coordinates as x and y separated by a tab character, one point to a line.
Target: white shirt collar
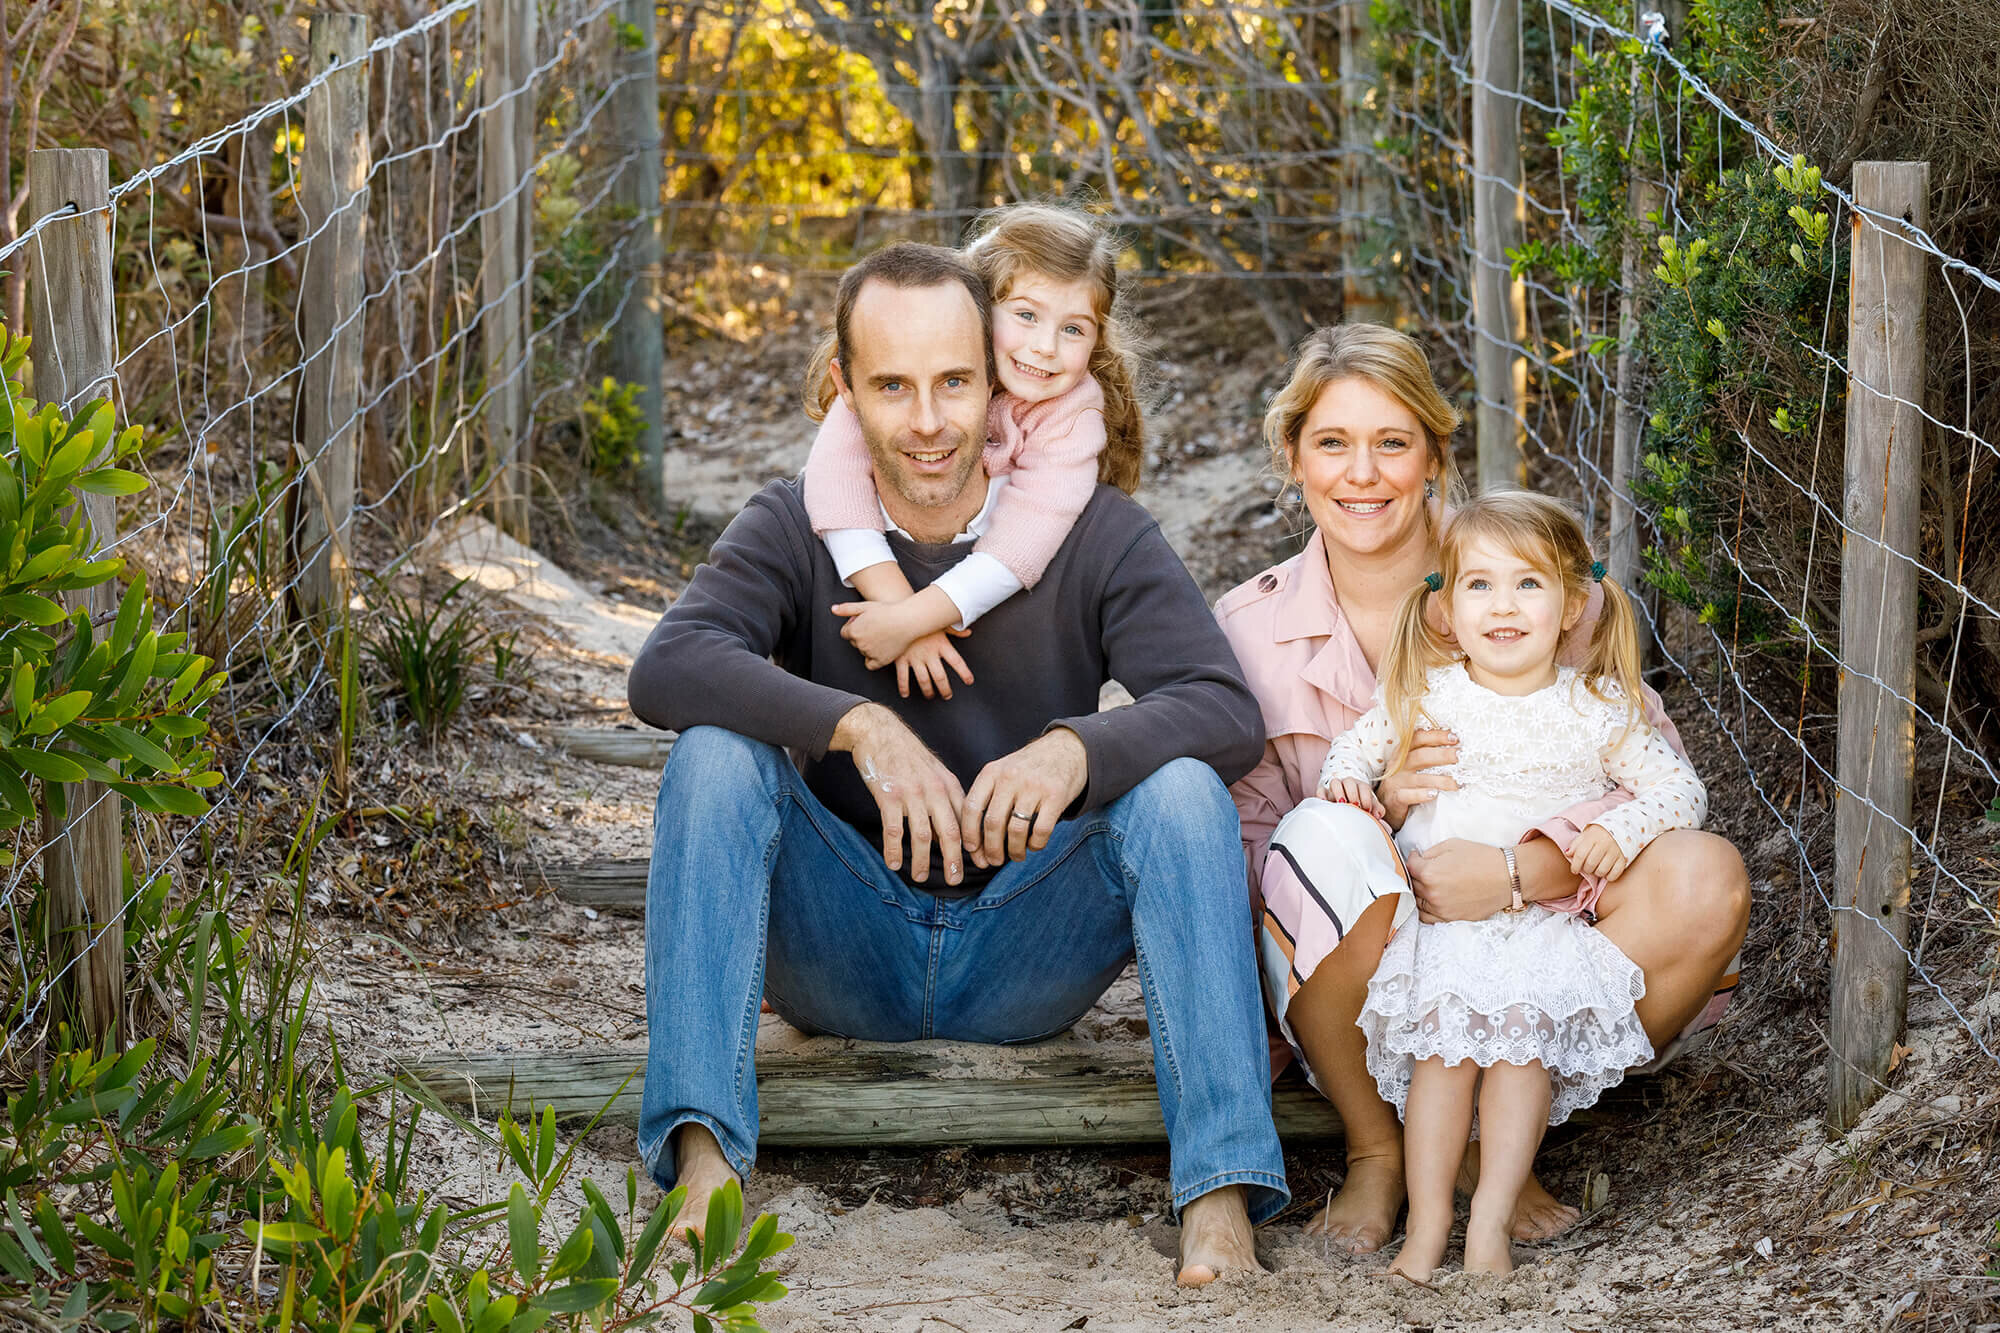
975	527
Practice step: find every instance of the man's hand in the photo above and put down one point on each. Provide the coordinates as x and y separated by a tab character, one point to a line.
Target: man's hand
908	783
1596	852
1459	881
1016	800
1352	791
1409	786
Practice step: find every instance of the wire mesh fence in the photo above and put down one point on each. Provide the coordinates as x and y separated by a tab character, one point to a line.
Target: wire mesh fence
1668	343
290	430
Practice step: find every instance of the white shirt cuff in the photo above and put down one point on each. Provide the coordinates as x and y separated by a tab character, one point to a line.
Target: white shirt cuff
976	585
856	549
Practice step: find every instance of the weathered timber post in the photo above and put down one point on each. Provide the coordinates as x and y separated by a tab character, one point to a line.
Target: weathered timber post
1368	294
1878	624
75	356
1499	307
638	352
507	36
333	193
1628	422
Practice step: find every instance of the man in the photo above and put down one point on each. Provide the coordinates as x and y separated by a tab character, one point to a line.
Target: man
1046	841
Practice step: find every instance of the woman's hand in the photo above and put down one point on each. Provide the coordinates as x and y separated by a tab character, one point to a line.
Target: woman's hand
1459	881
1351	791
1410	786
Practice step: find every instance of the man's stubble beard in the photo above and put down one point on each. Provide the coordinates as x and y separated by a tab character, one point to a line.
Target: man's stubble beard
924	493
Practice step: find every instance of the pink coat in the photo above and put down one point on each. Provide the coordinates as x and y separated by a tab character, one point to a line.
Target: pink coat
1302	662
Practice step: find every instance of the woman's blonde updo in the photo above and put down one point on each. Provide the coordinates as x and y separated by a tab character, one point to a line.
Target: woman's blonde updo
1393	362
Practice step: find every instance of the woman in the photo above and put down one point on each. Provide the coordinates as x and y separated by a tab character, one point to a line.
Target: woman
1363	433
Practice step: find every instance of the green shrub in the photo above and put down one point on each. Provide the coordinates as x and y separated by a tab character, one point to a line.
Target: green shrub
432	652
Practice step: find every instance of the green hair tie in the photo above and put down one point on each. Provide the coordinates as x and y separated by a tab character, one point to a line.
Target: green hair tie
1597	570
1434	581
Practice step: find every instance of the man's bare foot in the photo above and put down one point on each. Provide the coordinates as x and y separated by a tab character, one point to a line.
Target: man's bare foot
703	1170
1487	1246
1215	1238
1362	1216
1538	1214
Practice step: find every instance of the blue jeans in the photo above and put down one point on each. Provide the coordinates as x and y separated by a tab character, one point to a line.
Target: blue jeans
757	890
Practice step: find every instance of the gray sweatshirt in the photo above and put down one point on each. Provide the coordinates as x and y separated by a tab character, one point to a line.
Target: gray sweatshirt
753	647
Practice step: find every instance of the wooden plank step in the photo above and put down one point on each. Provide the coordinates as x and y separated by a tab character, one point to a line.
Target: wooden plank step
921	1094
639	748
608	886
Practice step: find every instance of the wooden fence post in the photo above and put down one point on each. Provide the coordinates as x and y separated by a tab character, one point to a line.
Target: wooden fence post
75	358
638	350
1627	427
507	37
1367	295
334	202
1878	624
1499	307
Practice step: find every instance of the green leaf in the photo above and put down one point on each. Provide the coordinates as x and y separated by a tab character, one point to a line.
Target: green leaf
26	1235
95	1106
223	1142
442	1314
14	794
725	1221
45	764
650	1239
59	712
31	607
282	1233
572	1255
138	747
73	453
577	1296
111	481
524	1235
126	627
54	1234
163	799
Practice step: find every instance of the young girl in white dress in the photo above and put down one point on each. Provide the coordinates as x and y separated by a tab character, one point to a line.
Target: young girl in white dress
1528	1015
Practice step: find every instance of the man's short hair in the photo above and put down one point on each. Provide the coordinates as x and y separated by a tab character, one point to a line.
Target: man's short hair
910	264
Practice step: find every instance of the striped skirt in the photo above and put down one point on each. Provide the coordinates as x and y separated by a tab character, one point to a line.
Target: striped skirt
1327	864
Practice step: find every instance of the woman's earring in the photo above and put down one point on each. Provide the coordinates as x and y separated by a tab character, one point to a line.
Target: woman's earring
1430	489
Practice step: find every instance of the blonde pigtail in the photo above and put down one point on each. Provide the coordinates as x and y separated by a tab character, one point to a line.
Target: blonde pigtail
818	387
1414	648
1613	653
1114	364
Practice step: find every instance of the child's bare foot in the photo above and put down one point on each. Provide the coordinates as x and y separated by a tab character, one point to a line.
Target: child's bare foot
1362	1217
1538	1214
1418	1260
1488	1247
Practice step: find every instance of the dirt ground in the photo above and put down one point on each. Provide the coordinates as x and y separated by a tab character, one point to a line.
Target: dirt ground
1724	1204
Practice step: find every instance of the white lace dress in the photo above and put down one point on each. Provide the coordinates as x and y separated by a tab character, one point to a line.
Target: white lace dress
1533	985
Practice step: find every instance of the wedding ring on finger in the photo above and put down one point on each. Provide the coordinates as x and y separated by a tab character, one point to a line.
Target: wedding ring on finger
1027	815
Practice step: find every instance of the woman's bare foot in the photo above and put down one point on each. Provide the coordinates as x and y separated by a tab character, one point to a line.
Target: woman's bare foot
1216	1238
1362	1216
1487	1246
1538	1214
703	1171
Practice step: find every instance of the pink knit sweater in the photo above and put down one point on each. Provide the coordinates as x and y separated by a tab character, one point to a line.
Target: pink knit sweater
1051	449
